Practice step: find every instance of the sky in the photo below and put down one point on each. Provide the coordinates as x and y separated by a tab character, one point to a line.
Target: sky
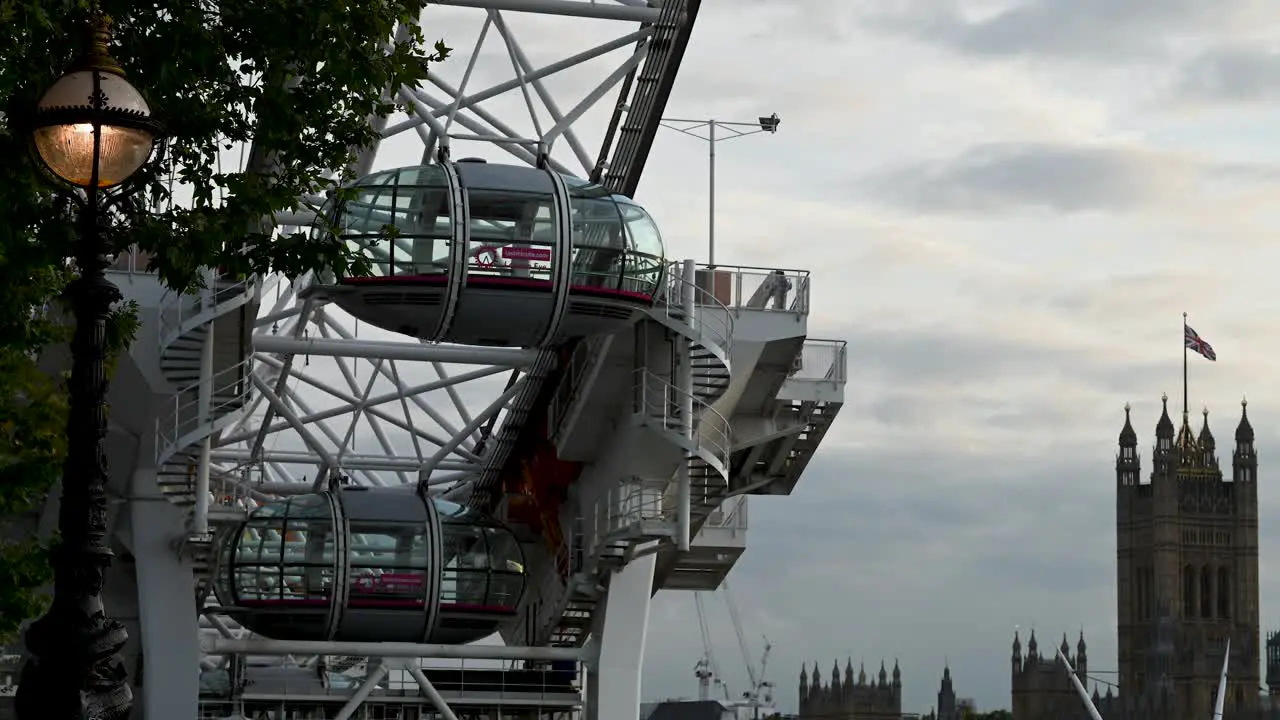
1006	207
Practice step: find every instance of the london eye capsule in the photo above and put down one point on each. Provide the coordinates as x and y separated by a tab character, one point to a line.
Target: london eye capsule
370	564
487	254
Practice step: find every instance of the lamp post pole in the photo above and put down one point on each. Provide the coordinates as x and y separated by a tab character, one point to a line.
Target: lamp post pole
90	132
707	131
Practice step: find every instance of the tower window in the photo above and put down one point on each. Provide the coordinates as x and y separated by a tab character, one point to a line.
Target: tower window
1206	592
1188	592
1224	593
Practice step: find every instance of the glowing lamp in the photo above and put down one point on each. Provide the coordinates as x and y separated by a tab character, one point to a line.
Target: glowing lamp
92	129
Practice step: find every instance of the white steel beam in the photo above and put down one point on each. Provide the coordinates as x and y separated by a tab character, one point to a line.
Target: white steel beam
599	11
495	407
377	349
261	646
432	694
349	462
415	394
362	693
281	407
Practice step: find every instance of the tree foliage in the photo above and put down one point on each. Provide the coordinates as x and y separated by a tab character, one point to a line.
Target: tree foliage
296	80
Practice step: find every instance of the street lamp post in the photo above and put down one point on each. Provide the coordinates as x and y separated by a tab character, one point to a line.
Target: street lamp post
735	130
90	133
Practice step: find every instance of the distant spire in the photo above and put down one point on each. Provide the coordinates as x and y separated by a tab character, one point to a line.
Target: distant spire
1244	431
1164	428
1128	436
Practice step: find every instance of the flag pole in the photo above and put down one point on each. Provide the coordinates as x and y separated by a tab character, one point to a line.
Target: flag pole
1184	365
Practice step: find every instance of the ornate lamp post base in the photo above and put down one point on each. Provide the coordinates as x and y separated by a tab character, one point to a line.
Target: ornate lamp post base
75	672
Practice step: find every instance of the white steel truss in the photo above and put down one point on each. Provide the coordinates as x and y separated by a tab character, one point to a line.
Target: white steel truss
574	85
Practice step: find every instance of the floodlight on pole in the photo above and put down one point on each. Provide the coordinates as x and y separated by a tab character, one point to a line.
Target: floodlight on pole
708	132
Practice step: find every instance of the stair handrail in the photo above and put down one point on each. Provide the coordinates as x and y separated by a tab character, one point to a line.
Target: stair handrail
179	313
632	502
712	320
181	422
658	401
585	356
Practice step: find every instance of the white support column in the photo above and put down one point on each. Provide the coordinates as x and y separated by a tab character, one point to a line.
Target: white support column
169	638
363	692
430	691
613	682
684	381
200	521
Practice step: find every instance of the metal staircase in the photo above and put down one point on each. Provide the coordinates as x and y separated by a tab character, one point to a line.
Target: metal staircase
637	517
817	417
197	410
185	321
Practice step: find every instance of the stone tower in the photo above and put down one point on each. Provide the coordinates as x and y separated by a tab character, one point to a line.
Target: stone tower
1187	552
947	709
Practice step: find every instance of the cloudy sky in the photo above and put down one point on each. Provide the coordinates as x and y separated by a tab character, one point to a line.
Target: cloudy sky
1006	206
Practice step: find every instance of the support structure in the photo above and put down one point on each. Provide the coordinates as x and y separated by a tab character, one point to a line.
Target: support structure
614	683
295	396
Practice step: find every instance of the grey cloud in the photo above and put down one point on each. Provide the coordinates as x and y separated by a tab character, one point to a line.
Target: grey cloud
929	358
1101	30
1010	176
1231	76
916	556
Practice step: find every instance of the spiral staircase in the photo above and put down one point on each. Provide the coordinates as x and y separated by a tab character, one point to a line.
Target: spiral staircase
638	516
196	411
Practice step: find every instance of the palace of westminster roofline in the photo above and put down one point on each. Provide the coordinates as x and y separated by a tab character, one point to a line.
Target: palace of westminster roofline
1193	451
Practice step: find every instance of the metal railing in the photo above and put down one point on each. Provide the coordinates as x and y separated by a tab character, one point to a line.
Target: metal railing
659	403
712	319
179	312
183	415
587	353
754	288
624	506
821	361
514	680
731	515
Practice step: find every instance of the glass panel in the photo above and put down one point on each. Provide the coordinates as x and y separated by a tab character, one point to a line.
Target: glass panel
255	584
274	509
260	542
309	506
464	547
504	551
599	239
645	237
388	565
465	578
451	511
513	234
505	590
400	221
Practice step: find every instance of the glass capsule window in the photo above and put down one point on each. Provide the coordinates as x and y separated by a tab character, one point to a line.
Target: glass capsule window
399	221
645	261
513	234
389	563
483	567
286	554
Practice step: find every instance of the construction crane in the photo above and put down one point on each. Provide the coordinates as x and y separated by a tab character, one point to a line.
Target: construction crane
761	693
706	670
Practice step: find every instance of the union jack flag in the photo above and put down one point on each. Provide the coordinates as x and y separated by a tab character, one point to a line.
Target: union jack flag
1195	342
